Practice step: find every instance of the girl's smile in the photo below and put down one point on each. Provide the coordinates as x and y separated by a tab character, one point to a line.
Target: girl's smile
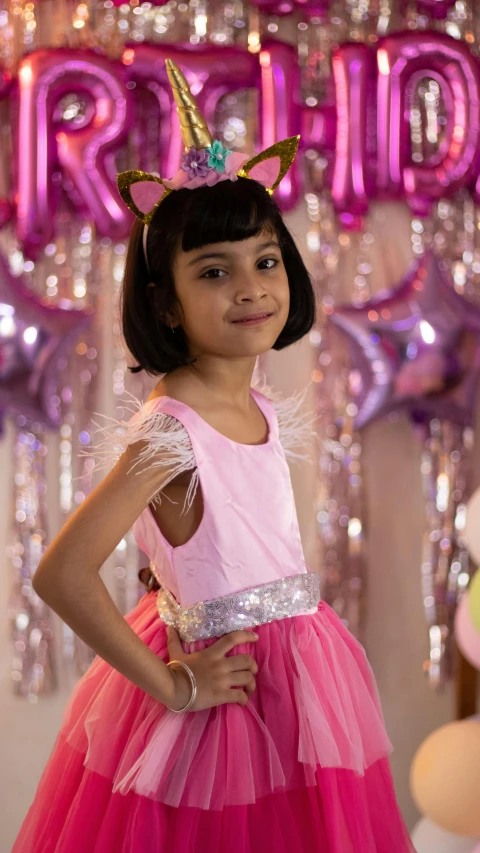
252	319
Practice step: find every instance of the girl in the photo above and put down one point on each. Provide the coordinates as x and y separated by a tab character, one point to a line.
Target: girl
231	709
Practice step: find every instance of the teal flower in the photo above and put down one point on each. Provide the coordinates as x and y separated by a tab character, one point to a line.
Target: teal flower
218	153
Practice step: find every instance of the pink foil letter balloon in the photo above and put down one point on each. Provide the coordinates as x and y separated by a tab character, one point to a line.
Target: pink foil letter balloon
436	8
310	8
352	183
403	60
84	150
280	115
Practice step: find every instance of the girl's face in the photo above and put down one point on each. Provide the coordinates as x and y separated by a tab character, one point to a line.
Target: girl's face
220	284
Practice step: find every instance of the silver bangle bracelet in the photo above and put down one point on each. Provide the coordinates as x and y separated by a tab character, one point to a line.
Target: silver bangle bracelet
193	681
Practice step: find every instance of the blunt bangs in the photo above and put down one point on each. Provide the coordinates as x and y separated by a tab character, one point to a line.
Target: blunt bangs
226	217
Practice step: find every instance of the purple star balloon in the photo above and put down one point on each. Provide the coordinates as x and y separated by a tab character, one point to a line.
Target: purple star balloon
416	347
35	335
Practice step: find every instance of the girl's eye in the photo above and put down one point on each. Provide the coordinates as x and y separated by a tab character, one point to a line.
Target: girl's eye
213	273
271	261
218	273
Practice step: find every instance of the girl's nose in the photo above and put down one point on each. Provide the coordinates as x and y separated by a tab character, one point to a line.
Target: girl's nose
251	288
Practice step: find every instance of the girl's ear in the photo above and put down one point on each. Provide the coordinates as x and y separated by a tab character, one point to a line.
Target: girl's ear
271	165
141	192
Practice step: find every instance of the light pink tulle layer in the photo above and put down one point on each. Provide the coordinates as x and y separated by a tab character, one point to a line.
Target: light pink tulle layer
302	766
315	703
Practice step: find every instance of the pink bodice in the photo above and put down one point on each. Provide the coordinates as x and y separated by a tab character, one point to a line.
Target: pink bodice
249	532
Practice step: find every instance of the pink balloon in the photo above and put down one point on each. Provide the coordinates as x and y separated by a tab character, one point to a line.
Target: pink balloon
352	182
311	8
319	128
35	335
84	150
5	212
280	114
5	82
436	8
467	636
5	88
403	59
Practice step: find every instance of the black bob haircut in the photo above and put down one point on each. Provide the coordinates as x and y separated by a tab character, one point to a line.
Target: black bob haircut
228	211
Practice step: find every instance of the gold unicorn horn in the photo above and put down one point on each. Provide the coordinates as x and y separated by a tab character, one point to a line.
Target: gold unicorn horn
193	126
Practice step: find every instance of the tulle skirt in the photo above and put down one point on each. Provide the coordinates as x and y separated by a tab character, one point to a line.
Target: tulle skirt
302	767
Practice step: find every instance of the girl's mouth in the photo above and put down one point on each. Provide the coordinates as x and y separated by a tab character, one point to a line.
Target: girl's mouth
252	320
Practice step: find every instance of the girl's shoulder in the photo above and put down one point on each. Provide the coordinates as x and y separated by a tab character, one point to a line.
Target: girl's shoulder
164	441
295	418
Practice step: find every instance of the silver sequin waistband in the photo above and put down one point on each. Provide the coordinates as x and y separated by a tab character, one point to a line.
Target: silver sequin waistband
290	596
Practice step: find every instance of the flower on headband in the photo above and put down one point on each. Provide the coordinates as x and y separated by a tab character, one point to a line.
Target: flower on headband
195	163
217	152
232	165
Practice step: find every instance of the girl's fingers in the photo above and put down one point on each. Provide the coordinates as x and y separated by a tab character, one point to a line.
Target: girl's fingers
238	696
235	638
237	662
227	679
241	678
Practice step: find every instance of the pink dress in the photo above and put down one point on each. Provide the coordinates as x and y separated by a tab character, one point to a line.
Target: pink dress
304	765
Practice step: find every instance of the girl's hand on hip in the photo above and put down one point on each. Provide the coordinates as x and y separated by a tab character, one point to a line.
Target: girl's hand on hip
220	679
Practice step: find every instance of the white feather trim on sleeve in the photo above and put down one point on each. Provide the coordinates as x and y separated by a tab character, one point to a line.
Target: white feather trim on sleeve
167	445
296	421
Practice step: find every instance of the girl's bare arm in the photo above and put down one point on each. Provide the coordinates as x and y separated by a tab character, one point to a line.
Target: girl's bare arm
68	579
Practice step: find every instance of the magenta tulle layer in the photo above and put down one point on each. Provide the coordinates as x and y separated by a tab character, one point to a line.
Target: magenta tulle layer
302	767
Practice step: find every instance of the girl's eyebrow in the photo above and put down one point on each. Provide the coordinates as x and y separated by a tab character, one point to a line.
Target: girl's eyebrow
226	255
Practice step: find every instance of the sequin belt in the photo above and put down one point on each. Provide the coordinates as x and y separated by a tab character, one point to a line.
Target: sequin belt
290	596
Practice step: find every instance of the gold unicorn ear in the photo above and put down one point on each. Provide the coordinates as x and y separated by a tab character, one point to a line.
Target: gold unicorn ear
142	193
271	165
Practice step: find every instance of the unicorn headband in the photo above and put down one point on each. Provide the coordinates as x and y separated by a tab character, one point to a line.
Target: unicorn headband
205	161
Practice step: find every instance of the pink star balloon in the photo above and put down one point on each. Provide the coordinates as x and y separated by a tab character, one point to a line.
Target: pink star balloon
35	335
416	347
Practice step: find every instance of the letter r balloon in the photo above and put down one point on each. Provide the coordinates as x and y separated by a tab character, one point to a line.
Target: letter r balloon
85	151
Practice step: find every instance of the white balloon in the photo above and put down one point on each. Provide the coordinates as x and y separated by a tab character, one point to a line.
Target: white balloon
430	838
471	532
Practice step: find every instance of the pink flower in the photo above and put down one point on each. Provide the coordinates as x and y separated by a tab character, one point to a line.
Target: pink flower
233	164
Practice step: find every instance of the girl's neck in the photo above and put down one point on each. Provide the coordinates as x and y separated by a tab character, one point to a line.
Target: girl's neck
218	385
